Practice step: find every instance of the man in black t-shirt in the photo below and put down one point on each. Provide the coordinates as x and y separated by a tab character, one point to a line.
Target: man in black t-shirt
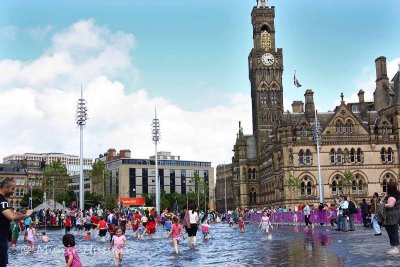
7	188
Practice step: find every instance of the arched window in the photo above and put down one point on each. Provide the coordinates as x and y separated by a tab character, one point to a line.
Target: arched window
352	155
384	128
384	185
383	154
359	155
254	173
308	157
354	186
349	127
334	187
339	156
303	130
332	156
303	188
339	126
309	189
388	178
360	186
255	197
265	38
274	98
263	98
389	155
301	157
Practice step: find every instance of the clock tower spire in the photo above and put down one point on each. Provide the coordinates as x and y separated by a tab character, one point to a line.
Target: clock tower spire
265	74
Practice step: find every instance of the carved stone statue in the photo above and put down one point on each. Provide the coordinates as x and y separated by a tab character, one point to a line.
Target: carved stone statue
262	3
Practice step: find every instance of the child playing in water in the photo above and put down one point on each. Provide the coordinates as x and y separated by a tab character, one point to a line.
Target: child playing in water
111	231
176	232
241	224
119	241
265	223
135	226
45	239
167	225
31	236
87	236
141	231
71	256
205	227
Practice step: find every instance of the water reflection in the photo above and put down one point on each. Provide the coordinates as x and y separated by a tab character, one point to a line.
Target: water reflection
285	246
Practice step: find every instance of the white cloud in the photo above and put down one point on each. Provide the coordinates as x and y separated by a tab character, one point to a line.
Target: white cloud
40	97
39	32
9	32
366	81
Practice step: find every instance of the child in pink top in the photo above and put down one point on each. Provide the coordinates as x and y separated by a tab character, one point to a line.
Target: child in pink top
176	231
70	253
119	241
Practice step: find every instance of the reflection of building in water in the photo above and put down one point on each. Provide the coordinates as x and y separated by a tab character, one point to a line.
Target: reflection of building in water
277	163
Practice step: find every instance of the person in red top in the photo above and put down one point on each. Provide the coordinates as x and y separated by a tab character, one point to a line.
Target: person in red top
135	226
111	230
153	212
95	221
67	225
151	226
137	216
299	207
102	227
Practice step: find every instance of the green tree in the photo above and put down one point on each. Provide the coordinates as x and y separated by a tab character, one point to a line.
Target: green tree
93	199
110	202
65	196
293	185
37	198
347	180
55	177
98	175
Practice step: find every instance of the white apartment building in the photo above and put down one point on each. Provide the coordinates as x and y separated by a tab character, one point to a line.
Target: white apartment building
70	161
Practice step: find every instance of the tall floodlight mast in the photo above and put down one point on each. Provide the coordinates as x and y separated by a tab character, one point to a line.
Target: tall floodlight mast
81	118
156	139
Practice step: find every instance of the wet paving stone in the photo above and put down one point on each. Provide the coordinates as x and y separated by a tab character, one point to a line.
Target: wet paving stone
285	246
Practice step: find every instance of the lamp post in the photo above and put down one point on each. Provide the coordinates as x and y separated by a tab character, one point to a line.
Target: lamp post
156	139
81	118
30	187
226	205
317	138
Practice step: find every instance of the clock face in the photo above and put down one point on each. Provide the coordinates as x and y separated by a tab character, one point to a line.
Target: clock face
268	59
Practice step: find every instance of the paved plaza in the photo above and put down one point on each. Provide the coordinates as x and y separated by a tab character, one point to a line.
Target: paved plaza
286	246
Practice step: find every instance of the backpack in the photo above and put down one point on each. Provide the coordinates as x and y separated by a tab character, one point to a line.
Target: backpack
352	208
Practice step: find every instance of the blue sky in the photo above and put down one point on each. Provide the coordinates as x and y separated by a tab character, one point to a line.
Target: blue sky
190	51
193	54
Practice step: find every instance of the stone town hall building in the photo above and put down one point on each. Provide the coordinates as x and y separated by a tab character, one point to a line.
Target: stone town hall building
359	138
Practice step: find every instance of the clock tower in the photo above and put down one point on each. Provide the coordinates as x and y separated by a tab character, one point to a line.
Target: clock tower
265	74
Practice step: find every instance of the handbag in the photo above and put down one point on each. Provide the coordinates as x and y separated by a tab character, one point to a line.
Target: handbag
346	212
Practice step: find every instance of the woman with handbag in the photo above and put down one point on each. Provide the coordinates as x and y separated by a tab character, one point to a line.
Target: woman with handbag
390	209
374	210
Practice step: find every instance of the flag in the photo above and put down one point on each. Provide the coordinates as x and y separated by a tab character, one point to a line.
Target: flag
295	81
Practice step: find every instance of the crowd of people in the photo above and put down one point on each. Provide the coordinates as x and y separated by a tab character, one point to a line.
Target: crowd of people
144	223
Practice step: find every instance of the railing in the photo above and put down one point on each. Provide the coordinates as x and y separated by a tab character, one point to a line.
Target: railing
288	217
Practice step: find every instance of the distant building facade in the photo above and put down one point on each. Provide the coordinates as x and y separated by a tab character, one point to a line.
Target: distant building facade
34	163
360	141
132	177
20	176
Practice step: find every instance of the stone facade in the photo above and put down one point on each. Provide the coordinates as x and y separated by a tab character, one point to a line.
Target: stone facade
277	164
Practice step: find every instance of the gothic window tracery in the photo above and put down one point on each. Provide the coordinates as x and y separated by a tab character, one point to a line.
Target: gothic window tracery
332	156
357	185
384	128
263	98
265	38
308	157
306	186
349	126
359	155
337	185
388	178
339	126
352	155
301	157
339	156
